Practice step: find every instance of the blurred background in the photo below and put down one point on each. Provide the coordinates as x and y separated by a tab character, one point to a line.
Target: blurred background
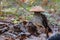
15	10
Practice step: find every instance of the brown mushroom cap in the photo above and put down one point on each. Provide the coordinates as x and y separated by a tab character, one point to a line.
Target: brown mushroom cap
37	9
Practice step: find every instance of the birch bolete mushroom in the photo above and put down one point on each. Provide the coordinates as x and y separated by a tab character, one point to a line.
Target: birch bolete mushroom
40	18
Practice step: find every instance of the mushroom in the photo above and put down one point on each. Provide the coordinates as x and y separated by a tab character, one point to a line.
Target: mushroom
40	18
37	14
